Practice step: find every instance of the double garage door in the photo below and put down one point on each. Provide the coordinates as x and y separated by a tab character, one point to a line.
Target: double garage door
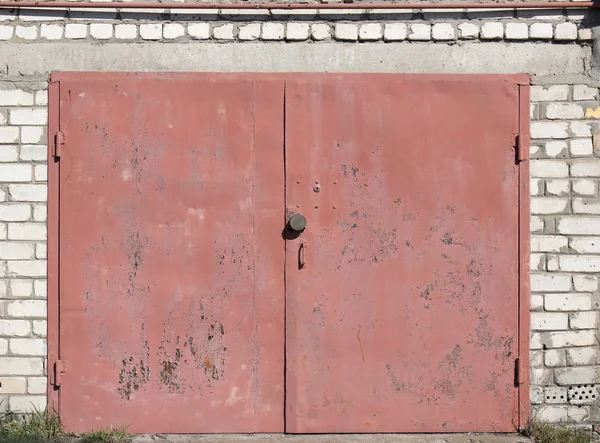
184	301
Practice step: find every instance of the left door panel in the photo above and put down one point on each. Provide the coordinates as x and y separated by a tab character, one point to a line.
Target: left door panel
171	257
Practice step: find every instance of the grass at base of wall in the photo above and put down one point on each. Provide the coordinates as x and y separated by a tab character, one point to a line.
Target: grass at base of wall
544	432
44	427
105	436
39	426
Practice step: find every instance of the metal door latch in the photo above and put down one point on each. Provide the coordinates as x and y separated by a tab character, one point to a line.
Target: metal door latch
302	255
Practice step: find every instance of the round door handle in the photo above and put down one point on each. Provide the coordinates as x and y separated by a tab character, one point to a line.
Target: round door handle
297	222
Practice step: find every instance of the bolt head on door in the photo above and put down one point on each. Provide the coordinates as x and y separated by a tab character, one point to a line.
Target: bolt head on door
297	222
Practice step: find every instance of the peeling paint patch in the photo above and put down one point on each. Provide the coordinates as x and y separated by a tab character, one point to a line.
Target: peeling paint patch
491	384
318	312
387	244
447	240
453	359
426	294
454	374
400	387
134	373
501	345
168	375
133	246
484	333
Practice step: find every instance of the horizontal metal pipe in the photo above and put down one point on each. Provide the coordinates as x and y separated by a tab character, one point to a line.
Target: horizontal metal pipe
296	6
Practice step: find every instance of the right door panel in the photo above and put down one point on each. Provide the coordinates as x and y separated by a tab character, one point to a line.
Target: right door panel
404	316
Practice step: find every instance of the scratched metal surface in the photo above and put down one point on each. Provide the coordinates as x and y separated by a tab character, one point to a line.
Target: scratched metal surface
171	280
404	318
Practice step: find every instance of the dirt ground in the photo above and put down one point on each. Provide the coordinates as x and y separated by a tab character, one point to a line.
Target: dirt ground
346	438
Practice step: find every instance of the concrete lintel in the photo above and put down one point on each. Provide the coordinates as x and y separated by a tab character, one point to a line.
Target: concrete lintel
565	79
541	59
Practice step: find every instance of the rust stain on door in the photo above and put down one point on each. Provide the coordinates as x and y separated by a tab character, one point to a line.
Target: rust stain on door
171	288
405	317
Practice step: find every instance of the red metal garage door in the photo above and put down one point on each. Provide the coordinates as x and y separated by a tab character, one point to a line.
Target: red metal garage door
171	277
405	315
176	277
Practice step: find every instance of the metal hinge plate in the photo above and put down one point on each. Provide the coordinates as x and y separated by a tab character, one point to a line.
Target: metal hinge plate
59	142
59	370
522	147
519	376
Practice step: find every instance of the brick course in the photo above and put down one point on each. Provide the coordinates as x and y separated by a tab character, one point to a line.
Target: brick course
323	26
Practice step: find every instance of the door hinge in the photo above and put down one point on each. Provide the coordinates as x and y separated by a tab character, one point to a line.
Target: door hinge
522	147
59	370
59	142
518	378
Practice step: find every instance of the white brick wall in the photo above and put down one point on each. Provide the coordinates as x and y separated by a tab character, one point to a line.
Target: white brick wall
443	31
566	245
443	28
419	31
565	204
344	31
370	32
273	31
492	31
101	31
297	31
76	31
22	231
151	31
